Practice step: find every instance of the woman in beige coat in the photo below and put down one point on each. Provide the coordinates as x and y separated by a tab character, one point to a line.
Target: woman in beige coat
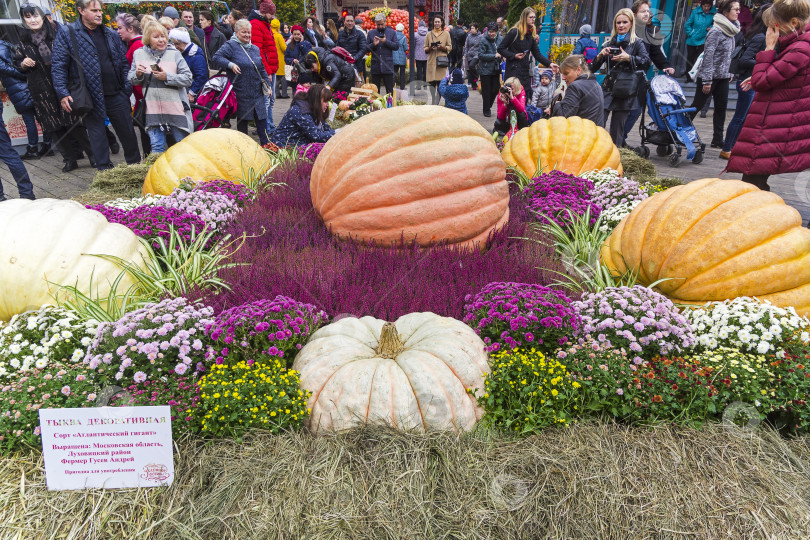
437	43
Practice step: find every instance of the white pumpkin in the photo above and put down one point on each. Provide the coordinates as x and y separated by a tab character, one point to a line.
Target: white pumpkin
412	374
50	240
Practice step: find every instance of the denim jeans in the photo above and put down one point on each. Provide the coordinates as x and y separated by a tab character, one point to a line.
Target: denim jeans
11	158
157	137
270	101
30	127
744	100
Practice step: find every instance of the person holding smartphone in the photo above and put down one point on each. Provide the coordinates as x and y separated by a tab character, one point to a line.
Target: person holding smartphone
624	53
521	42
437	46
165	77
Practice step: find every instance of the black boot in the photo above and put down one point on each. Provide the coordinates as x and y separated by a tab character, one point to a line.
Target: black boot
31	152
70	165
45	150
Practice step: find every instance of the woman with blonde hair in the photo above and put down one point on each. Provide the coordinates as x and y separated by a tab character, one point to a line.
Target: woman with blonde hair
167	23
165	77
775	137
625	55
519	45
583	95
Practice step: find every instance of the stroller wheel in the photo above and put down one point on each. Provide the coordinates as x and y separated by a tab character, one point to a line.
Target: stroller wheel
698	158
674	160
663	150
642	151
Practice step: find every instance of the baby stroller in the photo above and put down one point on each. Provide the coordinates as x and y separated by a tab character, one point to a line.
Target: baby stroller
671	128
215	104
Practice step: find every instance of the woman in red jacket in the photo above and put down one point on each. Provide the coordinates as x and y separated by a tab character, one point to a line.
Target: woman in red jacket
775	138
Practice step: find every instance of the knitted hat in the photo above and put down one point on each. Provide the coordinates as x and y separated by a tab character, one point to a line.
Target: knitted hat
456	77
548	73
179	34
267	8
297	27
585	30
400	27
492	26
707	2
171	13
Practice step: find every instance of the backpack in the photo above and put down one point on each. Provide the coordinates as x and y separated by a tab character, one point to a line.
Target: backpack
342	53
590	54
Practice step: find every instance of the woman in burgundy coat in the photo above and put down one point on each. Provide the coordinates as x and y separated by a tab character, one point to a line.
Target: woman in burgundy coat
775	138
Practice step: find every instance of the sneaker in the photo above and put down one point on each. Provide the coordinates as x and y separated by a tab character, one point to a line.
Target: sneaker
31	152
725	155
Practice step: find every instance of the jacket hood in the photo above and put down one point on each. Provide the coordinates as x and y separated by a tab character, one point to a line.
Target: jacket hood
301	103
276	24
256	16
422	30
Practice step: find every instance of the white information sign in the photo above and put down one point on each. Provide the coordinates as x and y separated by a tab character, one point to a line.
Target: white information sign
107	447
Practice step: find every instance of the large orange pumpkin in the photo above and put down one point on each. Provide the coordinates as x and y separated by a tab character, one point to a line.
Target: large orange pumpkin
206	155
426	173
571	145
713	240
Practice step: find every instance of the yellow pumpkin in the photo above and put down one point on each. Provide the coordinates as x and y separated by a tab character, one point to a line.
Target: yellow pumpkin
714	240
206	155
369	86
571	145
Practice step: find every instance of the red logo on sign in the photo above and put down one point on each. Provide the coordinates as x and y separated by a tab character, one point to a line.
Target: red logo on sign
155	472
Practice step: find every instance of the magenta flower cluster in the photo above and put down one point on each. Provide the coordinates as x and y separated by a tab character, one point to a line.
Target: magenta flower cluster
153	222
277	327
552	195
310	151
152	342
515	314
638	320
238	193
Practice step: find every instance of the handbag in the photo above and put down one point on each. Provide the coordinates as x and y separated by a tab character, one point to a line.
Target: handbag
139	115
267	88
694	71
82	100
627	84
734	67
441	61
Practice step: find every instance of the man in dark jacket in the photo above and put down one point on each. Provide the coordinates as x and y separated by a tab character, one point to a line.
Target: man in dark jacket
337	73
382	42
16	84
458	36
104	63
354	41
489	67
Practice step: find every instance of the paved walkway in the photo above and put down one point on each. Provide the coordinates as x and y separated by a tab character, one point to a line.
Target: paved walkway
50	181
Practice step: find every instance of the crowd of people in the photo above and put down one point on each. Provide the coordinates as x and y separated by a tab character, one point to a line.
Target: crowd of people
91	88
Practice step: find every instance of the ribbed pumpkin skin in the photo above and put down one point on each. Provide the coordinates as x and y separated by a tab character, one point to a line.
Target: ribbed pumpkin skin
51	240
718	239
426	173
423	388
206	155
571	145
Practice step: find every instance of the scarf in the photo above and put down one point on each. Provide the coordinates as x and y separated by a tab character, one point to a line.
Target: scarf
650	34
726	26
39	40
165	105
239	41
622	37
208	31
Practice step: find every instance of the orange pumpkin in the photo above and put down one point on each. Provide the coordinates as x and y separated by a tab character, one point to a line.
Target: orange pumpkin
571	145
425	173
714	240
369	86
344	105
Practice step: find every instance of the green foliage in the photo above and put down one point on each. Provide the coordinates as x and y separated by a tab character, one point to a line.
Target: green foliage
516	7
239	394
289	11
527	392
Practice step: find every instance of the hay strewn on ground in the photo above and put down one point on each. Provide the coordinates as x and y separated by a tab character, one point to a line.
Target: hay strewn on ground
588	481
122	180
637	168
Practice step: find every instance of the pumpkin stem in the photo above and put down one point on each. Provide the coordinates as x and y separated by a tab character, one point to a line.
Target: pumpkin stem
390	345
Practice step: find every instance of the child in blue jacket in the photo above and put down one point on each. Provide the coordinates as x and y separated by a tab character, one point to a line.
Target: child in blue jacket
454	91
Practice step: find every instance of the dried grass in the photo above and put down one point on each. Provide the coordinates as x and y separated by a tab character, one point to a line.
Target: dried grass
123	180
637	168
588	481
